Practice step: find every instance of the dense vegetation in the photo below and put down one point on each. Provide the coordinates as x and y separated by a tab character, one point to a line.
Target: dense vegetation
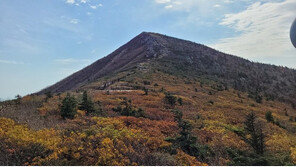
195	107
128	127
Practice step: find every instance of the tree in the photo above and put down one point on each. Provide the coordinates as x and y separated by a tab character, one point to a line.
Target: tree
18	96
86	104
48	95
253	134
170	99
68	107
186	141
258	98
18	99
269	117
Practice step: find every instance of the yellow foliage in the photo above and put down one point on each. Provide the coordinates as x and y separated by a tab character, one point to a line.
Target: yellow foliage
280	142
293	154
22	135
80	113
187	160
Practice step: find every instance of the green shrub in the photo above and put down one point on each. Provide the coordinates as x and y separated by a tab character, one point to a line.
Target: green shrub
126	109
170	99
180	101
269	116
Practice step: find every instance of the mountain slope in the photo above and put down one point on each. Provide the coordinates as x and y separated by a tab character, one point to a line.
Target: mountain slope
124	58
179	57
157	101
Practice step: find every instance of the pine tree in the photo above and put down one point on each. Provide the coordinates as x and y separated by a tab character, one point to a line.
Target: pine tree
254	130
68	107
86	104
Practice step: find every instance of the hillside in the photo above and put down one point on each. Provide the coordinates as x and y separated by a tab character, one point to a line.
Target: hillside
157	100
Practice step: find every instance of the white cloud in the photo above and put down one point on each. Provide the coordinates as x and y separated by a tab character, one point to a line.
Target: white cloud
96	6
70	1
74	21
83	1
217	6
263	30
228	1
168	6
10	62
93	6
192	6
162	1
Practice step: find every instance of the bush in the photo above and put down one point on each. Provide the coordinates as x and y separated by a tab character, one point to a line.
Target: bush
170	99
256	96
146	91
269	117
146	82
12	154
48	95
126	109
180	101
68	107
243	158
18	99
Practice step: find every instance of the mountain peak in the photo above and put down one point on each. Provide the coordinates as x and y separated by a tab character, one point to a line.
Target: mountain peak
153	52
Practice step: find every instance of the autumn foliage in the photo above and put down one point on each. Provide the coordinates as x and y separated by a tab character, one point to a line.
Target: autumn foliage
181	121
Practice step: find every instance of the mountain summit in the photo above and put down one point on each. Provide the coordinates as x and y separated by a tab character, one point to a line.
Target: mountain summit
151	52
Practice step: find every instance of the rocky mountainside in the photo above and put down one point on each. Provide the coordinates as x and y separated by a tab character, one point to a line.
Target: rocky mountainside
157	52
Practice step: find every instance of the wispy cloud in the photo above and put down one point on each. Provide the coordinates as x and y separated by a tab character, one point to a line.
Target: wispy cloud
162	1
263	30
71	61
70	1
93	4
96	6
189	5
74	21
217	6
10	62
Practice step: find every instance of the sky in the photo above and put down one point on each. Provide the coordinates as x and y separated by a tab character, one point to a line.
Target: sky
42	42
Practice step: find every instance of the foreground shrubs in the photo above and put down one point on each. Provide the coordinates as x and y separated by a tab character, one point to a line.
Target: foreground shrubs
96	141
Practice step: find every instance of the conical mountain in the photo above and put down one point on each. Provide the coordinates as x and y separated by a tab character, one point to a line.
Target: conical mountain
151	52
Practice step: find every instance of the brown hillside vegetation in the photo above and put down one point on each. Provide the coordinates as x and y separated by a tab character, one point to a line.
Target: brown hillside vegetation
157	101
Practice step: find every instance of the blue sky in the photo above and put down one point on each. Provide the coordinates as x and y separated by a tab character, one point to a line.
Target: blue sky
41	42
